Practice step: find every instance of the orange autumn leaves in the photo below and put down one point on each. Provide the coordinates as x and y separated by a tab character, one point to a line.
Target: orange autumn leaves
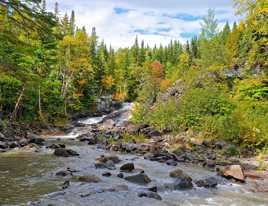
158	73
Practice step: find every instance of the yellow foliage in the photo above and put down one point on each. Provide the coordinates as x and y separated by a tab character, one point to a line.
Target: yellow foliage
82	82
165	84
119	96
107	82
77	95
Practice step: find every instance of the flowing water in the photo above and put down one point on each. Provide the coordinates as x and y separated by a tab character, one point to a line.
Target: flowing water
26	178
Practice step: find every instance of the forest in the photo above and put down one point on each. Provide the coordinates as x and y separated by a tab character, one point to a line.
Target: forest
50	69
181	123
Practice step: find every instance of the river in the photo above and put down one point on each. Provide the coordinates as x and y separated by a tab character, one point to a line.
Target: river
29	178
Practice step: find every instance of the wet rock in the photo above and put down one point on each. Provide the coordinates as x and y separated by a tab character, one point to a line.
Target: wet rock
210	182
183	183
176	173
140	178
34	139
105	165
23	142
66	184
89	138
120	175
149	194
234	171
56	146
104	158
63	173
3	145
171	163
128	167
13	145
62	152
152	189
106	174
89	179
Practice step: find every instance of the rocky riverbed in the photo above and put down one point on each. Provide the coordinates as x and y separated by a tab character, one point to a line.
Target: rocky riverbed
94	164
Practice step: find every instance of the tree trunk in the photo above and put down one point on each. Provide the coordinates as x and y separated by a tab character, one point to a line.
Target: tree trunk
14	113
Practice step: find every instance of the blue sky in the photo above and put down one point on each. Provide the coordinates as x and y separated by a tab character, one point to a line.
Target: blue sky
155	21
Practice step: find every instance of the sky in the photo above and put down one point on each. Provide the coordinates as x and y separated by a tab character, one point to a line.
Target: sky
118	22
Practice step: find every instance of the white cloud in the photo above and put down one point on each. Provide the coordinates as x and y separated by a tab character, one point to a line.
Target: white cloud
118	29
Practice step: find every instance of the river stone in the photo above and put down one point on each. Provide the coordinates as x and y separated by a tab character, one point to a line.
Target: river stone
3	145
234	171
149	194
171	162
128	167
140	178
105	158
61	152
106	174
105	165
34	139
178	173
63	173
89	179
210	182
183	184
120	175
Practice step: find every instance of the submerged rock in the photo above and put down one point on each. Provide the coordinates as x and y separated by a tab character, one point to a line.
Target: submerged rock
62	152
128	167
149	194
89	179
183	184
140	178
210	182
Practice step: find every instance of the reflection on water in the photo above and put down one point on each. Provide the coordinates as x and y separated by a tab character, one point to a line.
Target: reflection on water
25	177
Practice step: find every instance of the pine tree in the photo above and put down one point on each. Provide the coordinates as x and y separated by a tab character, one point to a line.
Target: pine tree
72	23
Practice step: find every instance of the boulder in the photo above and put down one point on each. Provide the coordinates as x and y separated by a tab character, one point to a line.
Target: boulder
210	182
128	167
62	152
149	194
234	171
89	179
34	139
183	181
141	179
